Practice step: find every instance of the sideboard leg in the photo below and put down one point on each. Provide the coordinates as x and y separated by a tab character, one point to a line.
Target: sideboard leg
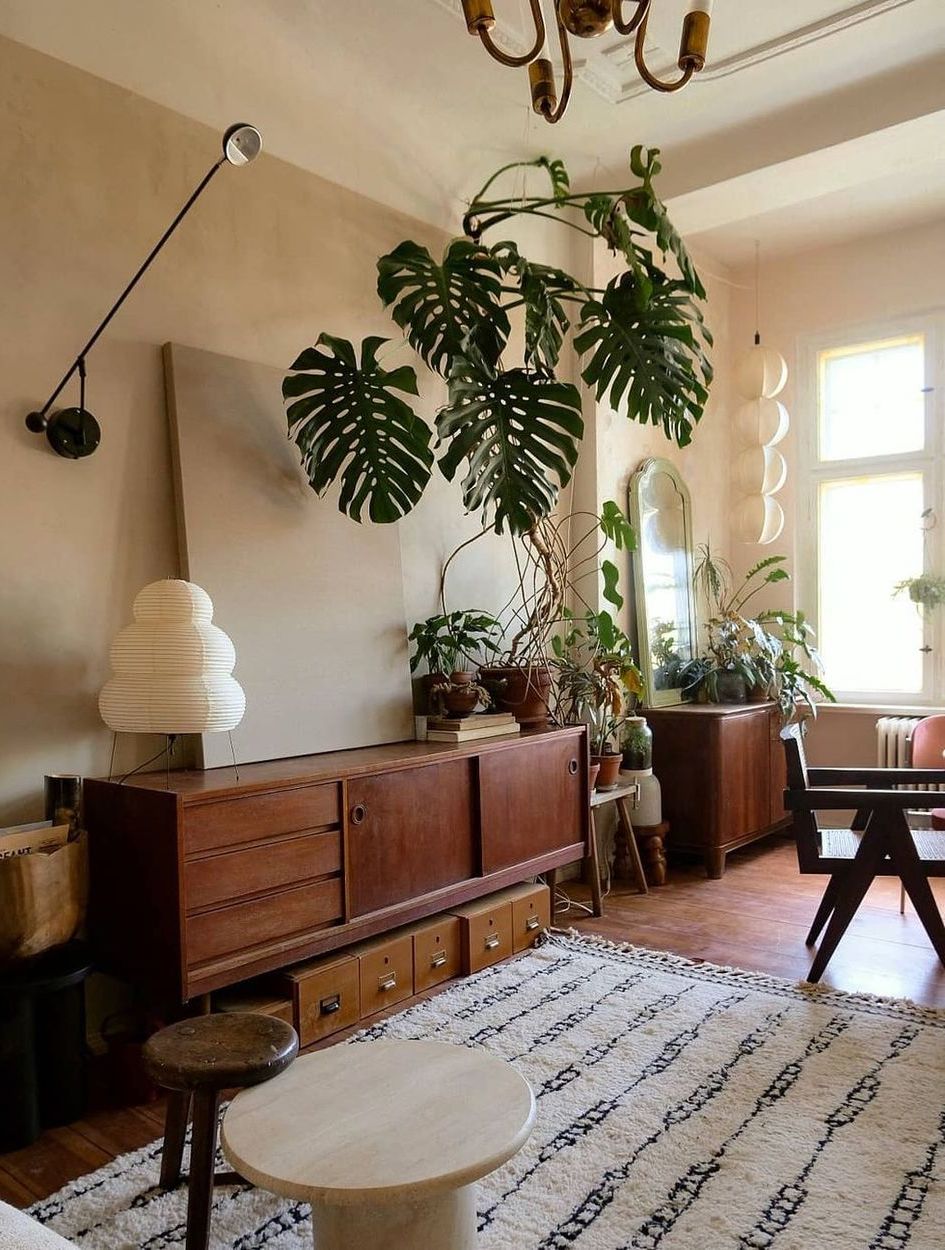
597	897
714	864
551	881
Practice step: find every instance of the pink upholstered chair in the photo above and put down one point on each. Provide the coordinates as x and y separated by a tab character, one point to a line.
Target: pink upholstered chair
928	751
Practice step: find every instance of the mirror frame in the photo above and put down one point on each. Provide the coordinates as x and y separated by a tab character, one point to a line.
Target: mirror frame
653	465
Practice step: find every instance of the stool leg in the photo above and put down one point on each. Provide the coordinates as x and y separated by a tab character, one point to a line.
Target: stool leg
202	1152
175	1128
594	857
626	822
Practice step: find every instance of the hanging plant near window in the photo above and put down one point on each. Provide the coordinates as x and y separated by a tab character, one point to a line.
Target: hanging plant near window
928	589
510	430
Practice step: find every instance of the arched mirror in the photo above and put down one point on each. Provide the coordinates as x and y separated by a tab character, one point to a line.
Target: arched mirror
662	579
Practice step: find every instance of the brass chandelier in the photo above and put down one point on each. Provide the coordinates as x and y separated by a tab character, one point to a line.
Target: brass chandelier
587	19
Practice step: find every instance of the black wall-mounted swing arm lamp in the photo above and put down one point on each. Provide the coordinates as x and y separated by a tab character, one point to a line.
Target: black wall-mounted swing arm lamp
74	432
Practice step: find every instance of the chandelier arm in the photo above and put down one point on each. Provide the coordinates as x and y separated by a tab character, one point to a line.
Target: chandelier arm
658	84
567	81
506	58
627	28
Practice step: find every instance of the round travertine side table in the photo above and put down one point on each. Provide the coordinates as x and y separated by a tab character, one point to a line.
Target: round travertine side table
385	1139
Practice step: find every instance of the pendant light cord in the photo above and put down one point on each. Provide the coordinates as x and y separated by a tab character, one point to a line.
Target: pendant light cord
757	293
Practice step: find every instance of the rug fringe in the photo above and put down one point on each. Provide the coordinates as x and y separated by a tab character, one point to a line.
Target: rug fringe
760	980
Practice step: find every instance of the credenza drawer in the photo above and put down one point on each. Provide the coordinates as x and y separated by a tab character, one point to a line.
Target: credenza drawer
233	874
326	994
437	952
240	926
386	971
210	826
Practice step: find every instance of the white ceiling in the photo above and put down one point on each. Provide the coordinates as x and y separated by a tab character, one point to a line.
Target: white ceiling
394	99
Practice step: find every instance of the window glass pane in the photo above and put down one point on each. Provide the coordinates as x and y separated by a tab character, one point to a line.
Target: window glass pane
870	539
872	401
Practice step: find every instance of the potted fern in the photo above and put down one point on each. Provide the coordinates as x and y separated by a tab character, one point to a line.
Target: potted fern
452	645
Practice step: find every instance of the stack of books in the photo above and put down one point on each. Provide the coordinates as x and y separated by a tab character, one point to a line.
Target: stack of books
471	728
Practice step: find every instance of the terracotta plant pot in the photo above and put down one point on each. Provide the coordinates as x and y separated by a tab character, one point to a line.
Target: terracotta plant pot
608	775
522	690
460	696
592	771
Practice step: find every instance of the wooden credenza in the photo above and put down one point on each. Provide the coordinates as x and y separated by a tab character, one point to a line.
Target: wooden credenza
722	772
201	879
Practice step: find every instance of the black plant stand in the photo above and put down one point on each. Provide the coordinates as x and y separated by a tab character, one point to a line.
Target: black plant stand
42	1043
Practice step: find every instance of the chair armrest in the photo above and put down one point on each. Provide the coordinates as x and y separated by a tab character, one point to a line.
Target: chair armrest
863	800
873	776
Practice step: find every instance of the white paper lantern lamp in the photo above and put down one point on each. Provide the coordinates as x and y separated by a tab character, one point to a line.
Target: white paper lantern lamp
173	668
762	374
764	465
759	519
763	422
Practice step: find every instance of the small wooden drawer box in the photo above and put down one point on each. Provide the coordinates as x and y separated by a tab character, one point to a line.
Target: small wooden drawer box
486	932
437	952
531	912
386	971
326	996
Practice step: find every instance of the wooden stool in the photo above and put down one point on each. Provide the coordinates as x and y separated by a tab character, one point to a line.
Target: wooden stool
196	1060
653	840
385	1139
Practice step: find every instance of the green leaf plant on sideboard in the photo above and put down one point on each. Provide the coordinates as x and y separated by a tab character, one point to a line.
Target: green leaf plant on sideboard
511	429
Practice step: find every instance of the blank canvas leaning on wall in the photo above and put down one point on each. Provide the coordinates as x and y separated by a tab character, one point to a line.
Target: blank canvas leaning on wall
313	602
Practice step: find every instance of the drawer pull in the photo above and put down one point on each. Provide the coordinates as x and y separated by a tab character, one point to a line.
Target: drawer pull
438	959
358	812
492	941
572	767
388	981
532	922
328	1006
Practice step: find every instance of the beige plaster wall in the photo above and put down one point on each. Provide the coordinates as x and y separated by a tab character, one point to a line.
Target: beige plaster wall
863	282
270	257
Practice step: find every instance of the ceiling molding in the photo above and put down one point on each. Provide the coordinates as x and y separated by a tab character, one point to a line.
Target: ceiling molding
609	69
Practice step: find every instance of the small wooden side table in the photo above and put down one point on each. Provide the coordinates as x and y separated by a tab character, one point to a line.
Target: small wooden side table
627	862
653	840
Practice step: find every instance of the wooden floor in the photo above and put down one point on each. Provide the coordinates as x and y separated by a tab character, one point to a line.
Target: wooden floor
756	917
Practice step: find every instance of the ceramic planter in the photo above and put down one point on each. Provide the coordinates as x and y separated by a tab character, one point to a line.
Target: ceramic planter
608	775
523	690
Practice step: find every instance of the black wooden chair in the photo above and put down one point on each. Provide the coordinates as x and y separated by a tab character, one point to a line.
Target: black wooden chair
879	843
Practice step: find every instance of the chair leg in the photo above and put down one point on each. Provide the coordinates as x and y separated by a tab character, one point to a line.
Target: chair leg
851	891
826	906
175	1129
906	861
202	1154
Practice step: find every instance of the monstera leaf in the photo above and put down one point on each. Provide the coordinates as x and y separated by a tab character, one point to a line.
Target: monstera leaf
644	207
440	306
517	432
348	423
641	339
540	288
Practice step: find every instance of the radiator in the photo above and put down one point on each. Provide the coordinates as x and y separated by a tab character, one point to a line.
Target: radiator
894	741
894	750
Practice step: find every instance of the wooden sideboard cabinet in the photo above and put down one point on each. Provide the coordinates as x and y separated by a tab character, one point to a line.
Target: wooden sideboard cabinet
201	879
722	772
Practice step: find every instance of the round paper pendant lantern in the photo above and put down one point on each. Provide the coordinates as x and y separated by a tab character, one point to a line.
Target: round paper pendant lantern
759	519
760	464
762	374
172	667
763	422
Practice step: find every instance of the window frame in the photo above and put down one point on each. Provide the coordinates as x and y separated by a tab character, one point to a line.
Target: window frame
930	461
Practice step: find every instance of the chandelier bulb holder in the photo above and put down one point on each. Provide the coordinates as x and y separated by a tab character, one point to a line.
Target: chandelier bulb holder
479	15
541	76
694	45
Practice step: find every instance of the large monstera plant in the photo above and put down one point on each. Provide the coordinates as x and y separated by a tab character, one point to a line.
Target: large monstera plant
510	429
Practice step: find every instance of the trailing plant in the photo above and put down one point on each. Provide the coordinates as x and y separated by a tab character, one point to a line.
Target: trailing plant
771	651
596	680
509	430
454	641
925	591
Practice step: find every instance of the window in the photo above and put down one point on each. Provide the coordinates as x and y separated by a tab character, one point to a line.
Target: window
873	464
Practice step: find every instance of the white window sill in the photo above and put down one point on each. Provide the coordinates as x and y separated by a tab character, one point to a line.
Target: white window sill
877	709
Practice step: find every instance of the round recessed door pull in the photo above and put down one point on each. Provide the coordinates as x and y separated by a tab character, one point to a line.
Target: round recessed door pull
358	812
572	767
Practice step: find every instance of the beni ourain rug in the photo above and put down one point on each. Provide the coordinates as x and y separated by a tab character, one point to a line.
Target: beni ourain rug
681	1106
